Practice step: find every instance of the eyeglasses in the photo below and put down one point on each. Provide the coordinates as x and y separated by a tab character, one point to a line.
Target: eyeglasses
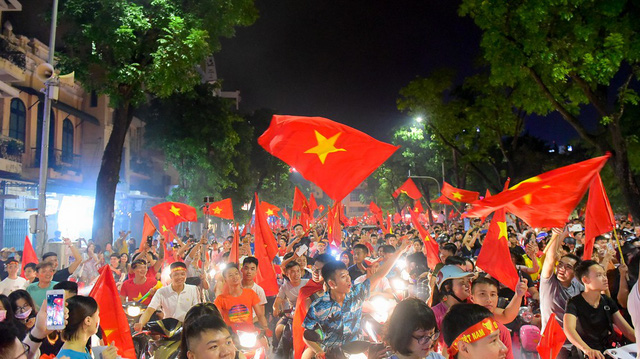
427	338
24	354
565	266
23	309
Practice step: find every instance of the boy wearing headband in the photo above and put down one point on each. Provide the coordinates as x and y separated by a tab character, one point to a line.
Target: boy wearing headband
470	331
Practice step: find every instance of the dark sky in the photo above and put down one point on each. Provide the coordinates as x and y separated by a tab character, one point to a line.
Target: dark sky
345	60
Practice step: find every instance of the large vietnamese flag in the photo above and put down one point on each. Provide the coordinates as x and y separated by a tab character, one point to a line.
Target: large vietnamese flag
457	194
113	321
409	188
222	209
494	257
28	255
335	157
599	217
545	200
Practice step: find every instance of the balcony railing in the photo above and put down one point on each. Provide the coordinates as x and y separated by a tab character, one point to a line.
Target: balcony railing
12	53
59	161
11	149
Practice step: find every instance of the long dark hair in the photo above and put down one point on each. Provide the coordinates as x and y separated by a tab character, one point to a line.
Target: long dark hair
79	309
17	294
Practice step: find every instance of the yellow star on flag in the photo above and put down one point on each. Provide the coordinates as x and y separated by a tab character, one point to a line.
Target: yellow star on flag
405	192
107	332
175	210
270	212
503	230
527	197
217	210
457	195
164	228
325	146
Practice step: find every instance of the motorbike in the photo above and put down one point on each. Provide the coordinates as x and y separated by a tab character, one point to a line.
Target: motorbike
629	351
159	340
526	336
376	311
133	310
251	342
284	347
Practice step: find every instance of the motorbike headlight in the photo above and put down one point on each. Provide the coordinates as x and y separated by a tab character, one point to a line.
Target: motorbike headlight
405	275
357	356
401	263
247	340
212	273
133	310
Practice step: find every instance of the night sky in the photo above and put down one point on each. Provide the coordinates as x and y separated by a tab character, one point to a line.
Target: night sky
347	60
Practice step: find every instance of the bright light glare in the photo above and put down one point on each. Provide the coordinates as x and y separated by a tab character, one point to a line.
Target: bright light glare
405	275
372	334
419	119
401	263
358	356
399	284
212	273
75	217
133	310
247	340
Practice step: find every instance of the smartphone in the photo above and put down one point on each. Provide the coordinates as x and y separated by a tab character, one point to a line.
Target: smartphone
149	241
575	228
303	248
55	309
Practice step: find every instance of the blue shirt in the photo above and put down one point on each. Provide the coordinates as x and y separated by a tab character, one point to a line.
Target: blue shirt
339	324
72	354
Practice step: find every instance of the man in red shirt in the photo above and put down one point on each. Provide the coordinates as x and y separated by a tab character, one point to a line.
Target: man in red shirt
135	288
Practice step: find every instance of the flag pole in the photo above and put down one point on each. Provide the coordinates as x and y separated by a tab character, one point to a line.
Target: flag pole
615	235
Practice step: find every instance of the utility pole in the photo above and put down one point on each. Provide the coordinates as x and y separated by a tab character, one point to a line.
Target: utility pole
50	84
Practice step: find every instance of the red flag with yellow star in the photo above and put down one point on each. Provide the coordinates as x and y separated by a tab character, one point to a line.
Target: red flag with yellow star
431	250
545	200
334	230
269	209
222	209
442	200
494	257
300	203
265	249
409	188
148	229
457	194
313	205
171	213
113	321
599	217
335	157
417	207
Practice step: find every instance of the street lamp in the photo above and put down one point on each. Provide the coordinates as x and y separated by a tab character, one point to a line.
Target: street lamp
419	119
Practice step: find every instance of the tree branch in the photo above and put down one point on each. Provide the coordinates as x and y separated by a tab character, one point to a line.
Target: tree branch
571	119
593	98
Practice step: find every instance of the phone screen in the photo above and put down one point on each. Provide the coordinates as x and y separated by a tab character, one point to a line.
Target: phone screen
303	248
55	309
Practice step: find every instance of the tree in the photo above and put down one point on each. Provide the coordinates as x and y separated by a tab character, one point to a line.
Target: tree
574	57
127	49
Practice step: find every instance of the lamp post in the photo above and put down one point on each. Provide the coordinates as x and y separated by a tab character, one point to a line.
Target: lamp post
41	219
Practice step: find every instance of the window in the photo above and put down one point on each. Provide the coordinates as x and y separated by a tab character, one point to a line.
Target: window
52	127
67	141
17	120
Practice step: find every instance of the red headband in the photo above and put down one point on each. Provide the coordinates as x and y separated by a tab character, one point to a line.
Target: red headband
474	333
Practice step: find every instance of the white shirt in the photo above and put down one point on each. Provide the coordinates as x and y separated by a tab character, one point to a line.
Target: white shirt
633	306
175	305
260	292
8	285
290	293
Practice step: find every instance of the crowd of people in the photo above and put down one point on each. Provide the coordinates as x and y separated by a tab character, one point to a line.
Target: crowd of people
451	309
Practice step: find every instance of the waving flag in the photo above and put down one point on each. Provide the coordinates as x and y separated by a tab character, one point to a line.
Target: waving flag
545	200
442	200
222	209
300	203
171	213
28	255
457	194
148	229
113	321
409	188
417	206
335	157
494	257
599	216
553	338
431	249
269	209
313	205
265	249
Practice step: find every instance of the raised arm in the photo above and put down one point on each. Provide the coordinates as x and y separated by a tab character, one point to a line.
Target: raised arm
552	253
385	268
76	255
